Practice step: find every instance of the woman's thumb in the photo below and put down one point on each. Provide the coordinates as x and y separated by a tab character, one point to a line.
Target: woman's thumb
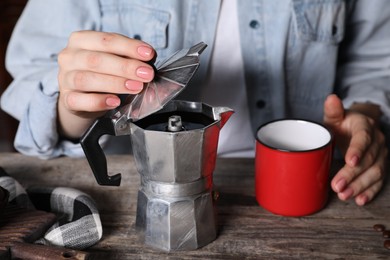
333	110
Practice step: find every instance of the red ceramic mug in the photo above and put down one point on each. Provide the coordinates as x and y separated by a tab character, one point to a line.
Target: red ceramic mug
293	160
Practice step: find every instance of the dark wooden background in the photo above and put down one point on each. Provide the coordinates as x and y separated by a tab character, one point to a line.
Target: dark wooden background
10	11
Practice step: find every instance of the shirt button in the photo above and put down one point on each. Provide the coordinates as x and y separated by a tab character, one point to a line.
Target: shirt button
137	36
260	104
334	30
254	24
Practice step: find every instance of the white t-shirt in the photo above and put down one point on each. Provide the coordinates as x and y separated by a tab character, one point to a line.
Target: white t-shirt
225	86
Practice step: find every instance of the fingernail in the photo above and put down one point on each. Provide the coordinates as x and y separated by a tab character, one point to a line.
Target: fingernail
354	161
361	200
134	85
113	102
145	51
145	73
346	194
340	185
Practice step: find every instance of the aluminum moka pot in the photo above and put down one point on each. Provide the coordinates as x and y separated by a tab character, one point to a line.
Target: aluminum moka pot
175	150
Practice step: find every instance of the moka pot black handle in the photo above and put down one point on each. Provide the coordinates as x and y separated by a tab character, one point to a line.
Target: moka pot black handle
95	154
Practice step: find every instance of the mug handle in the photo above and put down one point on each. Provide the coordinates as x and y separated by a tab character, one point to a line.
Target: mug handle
94	153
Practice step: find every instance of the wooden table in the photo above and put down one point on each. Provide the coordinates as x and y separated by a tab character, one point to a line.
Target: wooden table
246	231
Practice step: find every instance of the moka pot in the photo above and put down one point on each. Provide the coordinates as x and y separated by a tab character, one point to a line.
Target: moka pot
174	145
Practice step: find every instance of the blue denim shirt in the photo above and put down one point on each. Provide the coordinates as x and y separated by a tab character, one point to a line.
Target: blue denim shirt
295	53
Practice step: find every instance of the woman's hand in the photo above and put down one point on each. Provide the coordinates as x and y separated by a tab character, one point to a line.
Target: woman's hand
363	145
93	69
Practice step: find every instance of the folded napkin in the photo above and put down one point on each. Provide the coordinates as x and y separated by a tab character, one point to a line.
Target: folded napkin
78	225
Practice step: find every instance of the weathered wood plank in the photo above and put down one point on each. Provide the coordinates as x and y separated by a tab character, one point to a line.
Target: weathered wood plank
246	231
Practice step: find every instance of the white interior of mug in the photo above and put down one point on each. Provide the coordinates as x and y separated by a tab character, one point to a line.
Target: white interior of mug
294	135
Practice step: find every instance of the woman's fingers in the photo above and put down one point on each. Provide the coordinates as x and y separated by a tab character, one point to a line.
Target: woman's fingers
367	195
90	102
105	63
362	181
365	140
111	43
93	69
86	81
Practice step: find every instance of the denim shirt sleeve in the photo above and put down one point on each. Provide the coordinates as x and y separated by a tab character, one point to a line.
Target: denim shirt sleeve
40	34
364	72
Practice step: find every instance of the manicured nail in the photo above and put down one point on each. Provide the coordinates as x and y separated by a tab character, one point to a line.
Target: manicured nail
346	194
354	161
113	102
145	51
134	85
340	185
361	200
145	73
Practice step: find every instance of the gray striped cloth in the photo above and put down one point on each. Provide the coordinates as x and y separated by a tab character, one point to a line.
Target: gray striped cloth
78	223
